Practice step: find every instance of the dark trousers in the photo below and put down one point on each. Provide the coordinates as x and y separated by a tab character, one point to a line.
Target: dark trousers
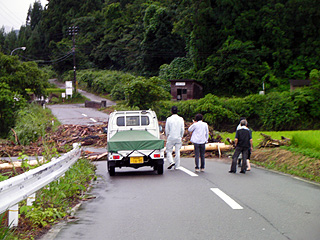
199	150
235	156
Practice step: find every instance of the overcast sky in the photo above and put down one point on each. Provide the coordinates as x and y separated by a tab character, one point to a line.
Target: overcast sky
13	13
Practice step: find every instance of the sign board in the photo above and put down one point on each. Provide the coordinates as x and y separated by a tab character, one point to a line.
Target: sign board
69	91
180	83
68	84
69	88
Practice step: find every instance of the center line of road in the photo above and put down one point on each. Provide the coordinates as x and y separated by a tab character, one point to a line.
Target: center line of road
233	204
192	174
85	115
93	120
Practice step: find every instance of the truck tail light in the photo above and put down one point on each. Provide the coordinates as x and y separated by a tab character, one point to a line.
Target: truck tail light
156	155
115	157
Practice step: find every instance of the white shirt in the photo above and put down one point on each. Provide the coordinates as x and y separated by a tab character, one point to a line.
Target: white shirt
200	132
174	127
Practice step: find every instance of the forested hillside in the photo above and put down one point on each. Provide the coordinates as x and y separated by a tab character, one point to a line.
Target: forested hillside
232	47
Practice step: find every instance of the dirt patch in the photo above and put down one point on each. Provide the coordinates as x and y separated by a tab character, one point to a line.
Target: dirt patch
287	161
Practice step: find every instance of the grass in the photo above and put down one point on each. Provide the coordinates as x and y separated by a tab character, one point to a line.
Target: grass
53	203
305	139
76	98
301	158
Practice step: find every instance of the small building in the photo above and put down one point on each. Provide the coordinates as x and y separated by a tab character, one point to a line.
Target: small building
298	83
185	89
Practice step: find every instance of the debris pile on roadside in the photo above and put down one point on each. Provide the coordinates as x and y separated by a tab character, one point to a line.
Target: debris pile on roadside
94	135
86	135
269	142
65	136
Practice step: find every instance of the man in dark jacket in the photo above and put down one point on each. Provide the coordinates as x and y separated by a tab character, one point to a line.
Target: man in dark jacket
243	142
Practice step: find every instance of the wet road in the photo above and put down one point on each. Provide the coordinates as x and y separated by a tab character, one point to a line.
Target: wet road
139	204
78	114
215	205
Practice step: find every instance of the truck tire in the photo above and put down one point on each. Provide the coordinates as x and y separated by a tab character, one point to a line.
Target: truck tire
160	168
112	170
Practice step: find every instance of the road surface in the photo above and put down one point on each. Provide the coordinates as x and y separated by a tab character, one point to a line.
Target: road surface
180	204
139	204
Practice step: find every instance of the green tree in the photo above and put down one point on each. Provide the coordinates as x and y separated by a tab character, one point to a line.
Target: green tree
10	42
236	69
10	102
34	15
20	76
2	38
159	45
144	94
179	68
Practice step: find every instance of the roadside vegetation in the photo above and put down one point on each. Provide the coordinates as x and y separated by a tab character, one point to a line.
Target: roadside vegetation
301	158
53	203
128	52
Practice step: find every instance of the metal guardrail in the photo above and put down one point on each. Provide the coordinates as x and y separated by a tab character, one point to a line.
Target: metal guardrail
16	189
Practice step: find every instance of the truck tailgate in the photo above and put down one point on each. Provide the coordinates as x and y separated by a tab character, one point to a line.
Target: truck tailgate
134	140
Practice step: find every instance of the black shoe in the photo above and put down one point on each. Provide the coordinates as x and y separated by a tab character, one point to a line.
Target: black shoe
232	171
243	172
171	165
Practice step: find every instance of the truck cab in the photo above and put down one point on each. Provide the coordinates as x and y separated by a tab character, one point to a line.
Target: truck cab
133	140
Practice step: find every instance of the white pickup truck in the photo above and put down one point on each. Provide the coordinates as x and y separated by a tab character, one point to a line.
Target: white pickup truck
133	140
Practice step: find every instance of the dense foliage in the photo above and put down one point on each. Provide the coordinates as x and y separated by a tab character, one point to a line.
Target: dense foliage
33	122
15	78
232	47
139	92
275	111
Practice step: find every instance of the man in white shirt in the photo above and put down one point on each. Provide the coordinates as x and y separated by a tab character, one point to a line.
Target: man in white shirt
199	138
174	131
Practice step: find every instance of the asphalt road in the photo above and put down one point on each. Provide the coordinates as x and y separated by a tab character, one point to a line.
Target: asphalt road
139	204
215	205
78	114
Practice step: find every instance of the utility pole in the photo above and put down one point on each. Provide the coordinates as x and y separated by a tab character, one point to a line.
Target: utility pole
74	31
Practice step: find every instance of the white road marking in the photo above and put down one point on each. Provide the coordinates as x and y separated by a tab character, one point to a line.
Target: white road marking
192	174
228	200
93	120
85	115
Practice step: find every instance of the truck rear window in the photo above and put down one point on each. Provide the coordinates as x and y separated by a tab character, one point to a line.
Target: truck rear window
133	121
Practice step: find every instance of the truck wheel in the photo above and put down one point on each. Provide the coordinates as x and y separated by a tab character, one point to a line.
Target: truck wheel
111	170
160	168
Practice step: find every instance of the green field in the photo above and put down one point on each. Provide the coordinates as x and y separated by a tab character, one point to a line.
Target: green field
302	139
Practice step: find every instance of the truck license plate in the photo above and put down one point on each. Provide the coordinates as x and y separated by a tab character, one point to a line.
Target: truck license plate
136	160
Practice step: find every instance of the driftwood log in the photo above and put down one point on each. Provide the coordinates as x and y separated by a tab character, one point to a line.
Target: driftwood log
220	147
11	165
269	142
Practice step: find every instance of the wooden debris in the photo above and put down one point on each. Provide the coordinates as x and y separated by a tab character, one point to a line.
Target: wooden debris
18	164
65	135
269	142
209	147
97	156
230	141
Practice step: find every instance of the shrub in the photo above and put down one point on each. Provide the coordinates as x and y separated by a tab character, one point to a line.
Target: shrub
144	94
280	112
32	122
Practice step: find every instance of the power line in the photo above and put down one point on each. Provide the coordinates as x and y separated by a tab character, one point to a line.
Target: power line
60	59
11	15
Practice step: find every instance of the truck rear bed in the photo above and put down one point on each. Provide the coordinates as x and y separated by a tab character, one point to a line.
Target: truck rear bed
134	140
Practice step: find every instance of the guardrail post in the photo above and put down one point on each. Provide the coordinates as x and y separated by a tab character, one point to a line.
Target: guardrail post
31	199
13	216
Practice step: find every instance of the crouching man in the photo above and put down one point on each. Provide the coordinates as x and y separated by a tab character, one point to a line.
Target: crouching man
243	142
